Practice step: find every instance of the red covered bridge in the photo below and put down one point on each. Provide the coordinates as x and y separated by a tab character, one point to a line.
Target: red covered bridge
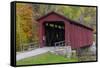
54	27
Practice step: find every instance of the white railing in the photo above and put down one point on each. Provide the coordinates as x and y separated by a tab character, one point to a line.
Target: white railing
63	48
59	45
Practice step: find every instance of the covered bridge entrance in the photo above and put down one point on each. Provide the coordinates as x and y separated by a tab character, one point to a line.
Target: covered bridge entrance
54	32
54	27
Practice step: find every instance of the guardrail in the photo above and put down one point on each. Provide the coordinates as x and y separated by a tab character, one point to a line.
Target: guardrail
29	46
59	45
63	48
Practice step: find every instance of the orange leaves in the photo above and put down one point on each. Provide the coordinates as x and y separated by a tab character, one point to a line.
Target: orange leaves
24	9
24	14
27	26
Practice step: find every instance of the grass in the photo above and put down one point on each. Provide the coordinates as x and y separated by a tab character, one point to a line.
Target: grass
45	58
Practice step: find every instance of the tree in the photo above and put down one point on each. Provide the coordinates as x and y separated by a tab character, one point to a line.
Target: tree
24	25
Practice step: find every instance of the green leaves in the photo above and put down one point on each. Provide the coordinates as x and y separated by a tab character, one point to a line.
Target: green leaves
27	26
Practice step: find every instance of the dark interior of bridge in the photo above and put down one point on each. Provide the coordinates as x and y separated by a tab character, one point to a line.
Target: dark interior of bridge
54	32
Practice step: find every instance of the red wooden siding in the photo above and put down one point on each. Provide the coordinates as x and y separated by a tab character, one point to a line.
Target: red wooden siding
80	36
77	34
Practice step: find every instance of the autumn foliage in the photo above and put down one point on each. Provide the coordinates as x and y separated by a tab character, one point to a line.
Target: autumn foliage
26	27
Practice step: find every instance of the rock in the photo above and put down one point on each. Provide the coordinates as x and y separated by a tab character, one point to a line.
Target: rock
68	51
92	48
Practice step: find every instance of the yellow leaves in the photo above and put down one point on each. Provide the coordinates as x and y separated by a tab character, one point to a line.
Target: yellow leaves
24	9
26	25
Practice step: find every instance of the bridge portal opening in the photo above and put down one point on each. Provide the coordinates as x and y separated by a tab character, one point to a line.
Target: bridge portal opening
54	32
